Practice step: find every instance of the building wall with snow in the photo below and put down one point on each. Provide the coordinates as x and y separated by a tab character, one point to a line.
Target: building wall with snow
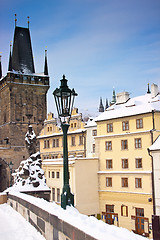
124	133
83	182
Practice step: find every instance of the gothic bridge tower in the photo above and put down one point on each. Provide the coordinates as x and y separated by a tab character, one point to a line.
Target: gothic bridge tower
22	98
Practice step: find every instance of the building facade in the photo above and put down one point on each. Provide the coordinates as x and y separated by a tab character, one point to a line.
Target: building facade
124	132
83	167
22	98
51	137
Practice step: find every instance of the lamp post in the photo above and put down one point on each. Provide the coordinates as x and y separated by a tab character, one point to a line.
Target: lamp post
64	99
10	168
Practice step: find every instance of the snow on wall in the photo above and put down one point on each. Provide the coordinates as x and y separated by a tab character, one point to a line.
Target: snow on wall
90	225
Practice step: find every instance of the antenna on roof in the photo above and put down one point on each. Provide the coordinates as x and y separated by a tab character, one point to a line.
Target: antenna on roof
28	22
15	19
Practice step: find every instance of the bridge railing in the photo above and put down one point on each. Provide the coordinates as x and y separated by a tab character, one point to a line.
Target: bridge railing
48	224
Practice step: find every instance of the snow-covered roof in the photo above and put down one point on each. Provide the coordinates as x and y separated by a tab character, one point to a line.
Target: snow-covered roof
134	106
61	133
155	145
91	123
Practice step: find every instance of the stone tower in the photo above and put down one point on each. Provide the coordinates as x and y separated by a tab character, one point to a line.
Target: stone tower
22	98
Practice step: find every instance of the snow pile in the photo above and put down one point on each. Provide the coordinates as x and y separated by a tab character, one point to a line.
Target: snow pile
90	225
15	227
30	176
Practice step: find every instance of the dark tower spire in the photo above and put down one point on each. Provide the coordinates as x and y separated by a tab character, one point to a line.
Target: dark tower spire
10	59
148	89
101	107
106	104
22	57
45	64
0	67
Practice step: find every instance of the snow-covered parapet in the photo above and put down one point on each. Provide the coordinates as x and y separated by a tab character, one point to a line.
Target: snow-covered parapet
30	176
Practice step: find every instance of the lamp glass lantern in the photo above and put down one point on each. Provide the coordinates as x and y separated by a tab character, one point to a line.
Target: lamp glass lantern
64	99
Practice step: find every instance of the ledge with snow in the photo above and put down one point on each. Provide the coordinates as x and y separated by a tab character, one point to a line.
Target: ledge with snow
59	224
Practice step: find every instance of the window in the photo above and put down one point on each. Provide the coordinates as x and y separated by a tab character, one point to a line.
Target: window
108	145
109	127
49	174
124	210
46	144
138	162
109	208
124	182
124	163
55	142
80	140
125	125
93	148
109	163
108	182
139	123
140	212
138	143
57	174
138	182
53	194
73	141
124	144
71	125
75	125
48	129
58	195
52	174
94	132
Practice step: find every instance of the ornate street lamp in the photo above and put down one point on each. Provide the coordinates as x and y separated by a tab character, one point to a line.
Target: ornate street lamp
10	168
64	98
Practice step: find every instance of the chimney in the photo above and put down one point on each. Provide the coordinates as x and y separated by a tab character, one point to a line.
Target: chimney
154	90
122	97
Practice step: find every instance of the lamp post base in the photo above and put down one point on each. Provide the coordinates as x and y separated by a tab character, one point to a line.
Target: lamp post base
67	198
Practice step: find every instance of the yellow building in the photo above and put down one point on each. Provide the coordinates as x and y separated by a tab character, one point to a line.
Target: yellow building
124	132
51	137
82	170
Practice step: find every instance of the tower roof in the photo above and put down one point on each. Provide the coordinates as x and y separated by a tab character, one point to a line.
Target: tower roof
22	57
10	59
101	107
45	64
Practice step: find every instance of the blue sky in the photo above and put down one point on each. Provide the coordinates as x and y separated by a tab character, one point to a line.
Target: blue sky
97	44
